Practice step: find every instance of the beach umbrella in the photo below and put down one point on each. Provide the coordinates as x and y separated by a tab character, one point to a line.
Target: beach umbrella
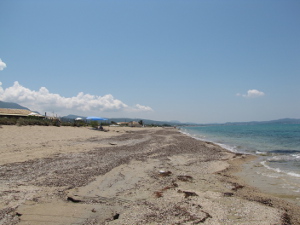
78	118
95	118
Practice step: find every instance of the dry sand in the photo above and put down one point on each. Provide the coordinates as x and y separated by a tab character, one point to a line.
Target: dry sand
66	175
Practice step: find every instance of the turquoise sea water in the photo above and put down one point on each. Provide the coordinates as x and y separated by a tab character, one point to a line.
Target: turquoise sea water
276	145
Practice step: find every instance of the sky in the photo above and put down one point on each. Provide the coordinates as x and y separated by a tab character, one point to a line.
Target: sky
202	61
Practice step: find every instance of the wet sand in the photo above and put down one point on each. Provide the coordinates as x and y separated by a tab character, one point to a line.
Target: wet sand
256	175
66	175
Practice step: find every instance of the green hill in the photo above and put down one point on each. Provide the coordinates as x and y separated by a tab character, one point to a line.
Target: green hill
11	105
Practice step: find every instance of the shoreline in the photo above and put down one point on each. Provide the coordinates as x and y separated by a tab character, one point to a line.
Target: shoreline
269	185
127	176
236	173
251	172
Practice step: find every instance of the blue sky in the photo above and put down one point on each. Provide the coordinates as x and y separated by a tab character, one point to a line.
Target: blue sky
192	61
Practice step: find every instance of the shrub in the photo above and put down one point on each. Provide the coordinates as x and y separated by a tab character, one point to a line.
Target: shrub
8	121
94	124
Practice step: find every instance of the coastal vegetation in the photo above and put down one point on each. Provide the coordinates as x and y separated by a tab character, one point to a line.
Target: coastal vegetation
35	121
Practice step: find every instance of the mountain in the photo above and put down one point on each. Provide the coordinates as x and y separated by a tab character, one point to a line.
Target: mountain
174	121
11	105
285	121
279	121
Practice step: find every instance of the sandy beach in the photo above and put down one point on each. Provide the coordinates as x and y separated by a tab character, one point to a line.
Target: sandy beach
71	175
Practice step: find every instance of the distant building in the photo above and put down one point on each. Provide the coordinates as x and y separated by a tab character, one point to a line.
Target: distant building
17	113
123	123
134	124
130	124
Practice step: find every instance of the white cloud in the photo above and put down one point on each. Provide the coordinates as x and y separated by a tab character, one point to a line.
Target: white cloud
2	65
42	101
139	107
252	94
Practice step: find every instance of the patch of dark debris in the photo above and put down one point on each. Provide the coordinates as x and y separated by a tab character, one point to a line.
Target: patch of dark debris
181	213
187	193
228	194
285	219
236	186
71	199
8	216
116	216
158	194
267	202
165	173
185	178
112	218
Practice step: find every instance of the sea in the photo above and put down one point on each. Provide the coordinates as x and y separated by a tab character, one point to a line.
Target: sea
277	147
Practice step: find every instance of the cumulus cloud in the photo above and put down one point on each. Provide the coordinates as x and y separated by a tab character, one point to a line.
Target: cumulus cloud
42	100
139	107
2	65
252	94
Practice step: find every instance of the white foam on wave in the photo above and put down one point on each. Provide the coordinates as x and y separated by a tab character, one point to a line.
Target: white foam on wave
198	137
230	148
285	158
293	174
203	138
297	156
269	175
261	153
264	163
